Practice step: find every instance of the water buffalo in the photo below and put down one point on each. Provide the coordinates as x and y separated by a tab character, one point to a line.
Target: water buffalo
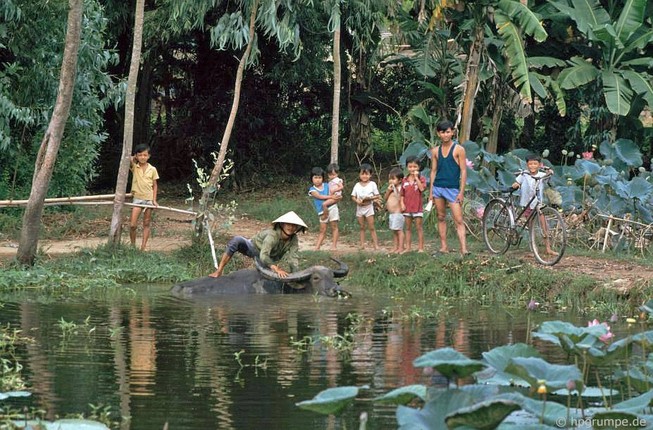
262	280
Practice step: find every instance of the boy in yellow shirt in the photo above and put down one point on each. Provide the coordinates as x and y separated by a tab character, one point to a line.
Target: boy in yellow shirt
144	189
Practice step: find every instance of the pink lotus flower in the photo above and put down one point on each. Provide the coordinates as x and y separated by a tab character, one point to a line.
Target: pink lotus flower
469	163
604	337
589	155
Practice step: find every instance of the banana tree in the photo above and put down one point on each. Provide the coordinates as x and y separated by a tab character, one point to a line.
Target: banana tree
508	21
610	52
513	20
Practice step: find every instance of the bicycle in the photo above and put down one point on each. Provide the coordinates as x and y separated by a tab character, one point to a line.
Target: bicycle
546	227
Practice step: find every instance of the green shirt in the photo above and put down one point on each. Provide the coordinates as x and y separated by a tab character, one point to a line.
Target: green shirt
272	248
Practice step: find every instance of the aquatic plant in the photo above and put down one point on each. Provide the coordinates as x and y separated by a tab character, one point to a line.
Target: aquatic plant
516	378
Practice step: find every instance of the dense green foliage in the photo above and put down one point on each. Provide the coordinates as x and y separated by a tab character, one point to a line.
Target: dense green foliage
406	65
30	59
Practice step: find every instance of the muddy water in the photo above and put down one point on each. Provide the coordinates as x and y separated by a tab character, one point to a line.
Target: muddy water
234	363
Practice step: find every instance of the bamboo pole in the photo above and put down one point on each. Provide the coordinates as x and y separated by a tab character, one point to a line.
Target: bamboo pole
163	208
611	217
10	203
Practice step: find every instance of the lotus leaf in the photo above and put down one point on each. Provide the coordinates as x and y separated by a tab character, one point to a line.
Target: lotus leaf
499	358
472	150
416	149
533	369
486	415
636	188
639	381
551	413
609	152
442	403
644	209
645	339
647	307
449	363
513	163
331	401
403	395
628	152
587	167
506	178
636	404
492	158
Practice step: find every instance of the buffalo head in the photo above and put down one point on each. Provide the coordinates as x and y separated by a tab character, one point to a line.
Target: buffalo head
319	279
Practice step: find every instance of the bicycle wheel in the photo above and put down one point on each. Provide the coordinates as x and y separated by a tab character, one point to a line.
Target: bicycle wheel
498	224
548	236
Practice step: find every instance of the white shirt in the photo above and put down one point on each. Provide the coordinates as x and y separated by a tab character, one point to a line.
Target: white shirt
527	185
369	190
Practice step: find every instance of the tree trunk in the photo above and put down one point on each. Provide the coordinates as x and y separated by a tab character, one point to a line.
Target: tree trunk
128	135
143	103
47	155
335	118
217	169
497	112
471	85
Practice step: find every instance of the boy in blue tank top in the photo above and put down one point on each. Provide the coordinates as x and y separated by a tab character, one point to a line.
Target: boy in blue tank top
448	178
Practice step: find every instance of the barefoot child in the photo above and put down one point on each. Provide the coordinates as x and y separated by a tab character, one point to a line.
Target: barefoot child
320	195
364	194
412	188
393	206
144	190
336	185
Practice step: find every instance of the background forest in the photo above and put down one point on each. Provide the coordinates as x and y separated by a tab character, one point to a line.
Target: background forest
556	75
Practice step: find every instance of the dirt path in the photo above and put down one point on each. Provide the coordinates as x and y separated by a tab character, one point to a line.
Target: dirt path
173	230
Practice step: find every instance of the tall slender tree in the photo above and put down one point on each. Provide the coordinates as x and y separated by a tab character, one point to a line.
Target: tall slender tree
128	135
47	154
337	79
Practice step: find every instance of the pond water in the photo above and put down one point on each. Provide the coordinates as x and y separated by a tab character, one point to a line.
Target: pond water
158	359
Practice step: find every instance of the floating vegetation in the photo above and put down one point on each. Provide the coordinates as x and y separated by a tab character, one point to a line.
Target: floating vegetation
516	377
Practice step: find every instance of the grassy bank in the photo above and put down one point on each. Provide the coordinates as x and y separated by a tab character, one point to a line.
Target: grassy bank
480	279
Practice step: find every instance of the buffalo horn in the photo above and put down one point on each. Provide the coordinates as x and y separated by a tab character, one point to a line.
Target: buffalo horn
342	271
292	277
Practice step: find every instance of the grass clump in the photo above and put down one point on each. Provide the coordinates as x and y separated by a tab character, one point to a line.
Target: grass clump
93	271
485	280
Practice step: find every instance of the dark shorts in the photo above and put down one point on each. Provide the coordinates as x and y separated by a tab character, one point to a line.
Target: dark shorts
243	245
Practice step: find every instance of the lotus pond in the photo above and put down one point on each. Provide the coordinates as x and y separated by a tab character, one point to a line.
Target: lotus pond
296	362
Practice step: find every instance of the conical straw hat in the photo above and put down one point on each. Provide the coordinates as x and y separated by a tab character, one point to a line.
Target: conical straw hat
291	218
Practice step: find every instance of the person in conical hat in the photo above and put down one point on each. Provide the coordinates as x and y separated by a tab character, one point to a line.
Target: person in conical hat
269	245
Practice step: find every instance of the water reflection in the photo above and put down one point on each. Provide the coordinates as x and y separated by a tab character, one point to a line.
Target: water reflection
158	359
